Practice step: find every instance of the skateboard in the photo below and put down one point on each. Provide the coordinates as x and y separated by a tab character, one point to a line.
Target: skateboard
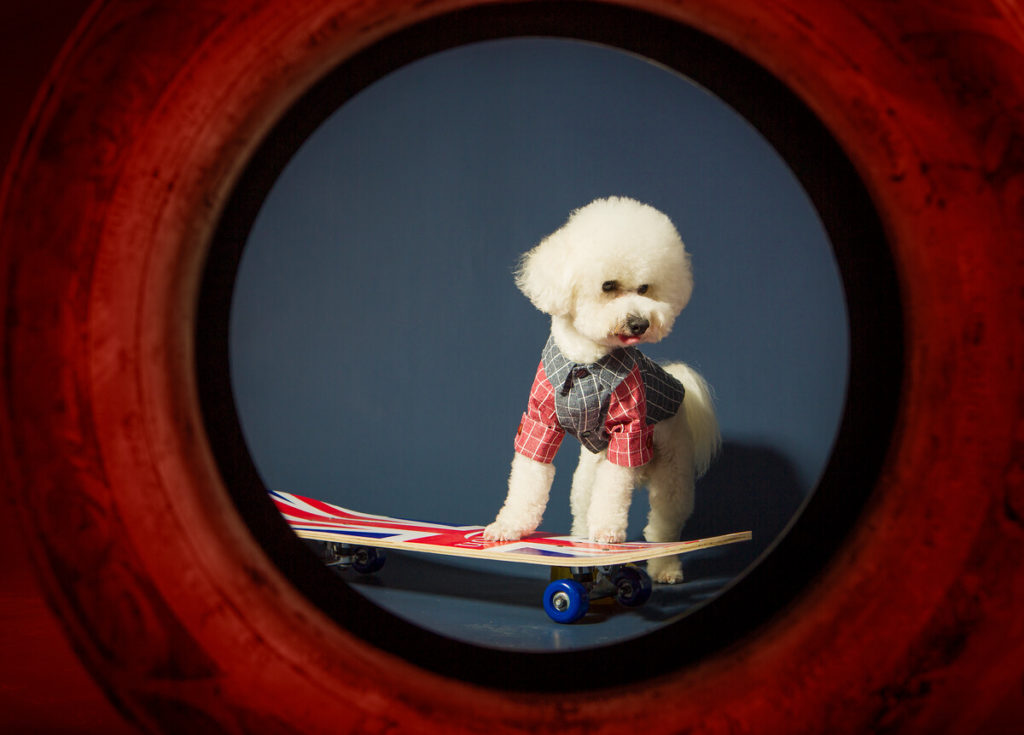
349	539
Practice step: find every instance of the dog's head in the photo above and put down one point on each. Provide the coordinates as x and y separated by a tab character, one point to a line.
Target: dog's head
617	271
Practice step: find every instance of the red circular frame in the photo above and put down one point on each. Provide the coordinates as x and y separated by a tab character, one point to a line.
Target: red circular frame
149	116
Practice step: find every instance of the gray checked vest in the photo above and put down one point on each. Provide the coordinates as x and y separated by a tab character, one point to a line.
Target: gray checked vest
583	392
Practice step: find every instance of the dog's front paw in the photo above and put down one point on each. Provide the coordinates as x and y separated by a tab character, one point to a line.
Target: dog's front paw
666	570
502	531
608	535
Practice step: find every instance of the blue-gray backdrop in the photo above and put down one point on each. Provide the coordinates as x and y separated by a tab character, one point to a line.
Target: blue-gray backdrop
381	354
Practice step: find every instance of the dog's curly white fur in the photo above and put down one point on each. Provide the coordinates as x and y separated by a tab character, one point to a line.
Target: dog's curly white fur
614	264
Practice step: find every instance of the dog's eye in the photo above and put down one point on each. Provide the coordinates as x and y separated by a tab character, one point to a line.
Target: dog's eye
643	289
609	286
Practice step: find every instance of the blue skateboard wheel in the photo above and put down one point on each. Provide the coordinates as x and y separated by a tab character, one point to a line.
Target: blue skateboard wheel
566	600
632	586
368	559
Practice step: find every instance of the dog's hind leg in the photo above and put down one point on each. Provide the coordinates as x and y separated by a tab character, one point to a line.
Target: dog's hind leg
671	506
582	488
670	486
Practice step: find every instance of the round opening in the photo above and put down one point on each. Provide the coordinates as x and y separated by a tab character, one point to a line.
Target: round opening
381	356
361	340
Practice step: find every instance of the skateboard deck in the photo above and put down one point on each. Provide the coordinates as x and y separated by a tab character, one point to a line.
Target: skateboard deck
321	521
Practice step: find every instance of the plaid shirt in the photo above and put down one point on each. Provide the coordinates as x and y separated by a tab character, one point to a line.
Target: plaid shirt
612	403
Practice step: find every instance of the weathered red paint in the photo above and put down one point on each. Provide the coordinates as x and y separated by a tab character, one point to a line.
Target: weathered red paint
917	624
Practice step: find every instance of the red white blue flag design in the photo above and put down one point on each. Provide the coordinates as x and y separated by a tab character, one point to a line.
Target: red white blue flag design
316	519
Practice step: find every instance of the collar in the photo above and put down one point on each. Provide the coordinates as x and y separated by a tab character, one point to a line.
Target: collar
610	370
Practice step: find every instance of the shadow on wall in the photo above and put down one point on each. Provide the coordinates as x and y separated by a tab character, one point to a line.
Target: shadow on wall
748	488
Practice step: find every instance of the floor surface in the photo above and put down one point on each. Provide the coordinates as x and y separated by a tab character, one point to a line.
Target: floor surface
499	605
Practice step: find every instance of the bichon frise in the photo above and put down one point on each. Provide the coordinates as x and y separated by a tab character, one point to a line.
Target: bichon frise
615	275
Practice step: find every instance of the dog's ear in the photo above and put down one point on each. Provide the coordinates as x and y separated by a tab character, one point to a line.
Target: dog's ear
544	276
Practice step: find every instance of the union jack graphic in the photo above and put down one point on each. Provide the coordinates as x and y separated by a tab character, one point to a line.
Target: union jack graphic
316	519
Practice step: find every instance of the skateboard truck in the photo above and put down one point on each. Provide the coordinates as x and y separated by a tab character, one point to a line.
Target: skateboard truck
364	559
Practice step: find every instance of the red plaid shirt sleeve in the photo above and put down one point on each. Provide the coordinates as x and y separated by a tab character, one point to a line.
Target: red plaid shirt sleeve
631	440
539	434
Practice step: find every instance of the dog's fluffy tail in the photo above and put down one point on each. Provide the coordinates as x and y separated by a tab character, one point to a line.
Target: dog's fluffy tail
700	415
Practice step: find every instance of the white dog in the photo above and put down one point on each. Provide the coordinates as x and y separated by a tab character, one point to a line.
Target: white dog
615	275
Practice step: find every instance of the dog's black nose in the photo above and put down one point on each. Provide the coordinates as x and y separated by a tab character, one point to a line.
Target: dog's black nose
636	325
